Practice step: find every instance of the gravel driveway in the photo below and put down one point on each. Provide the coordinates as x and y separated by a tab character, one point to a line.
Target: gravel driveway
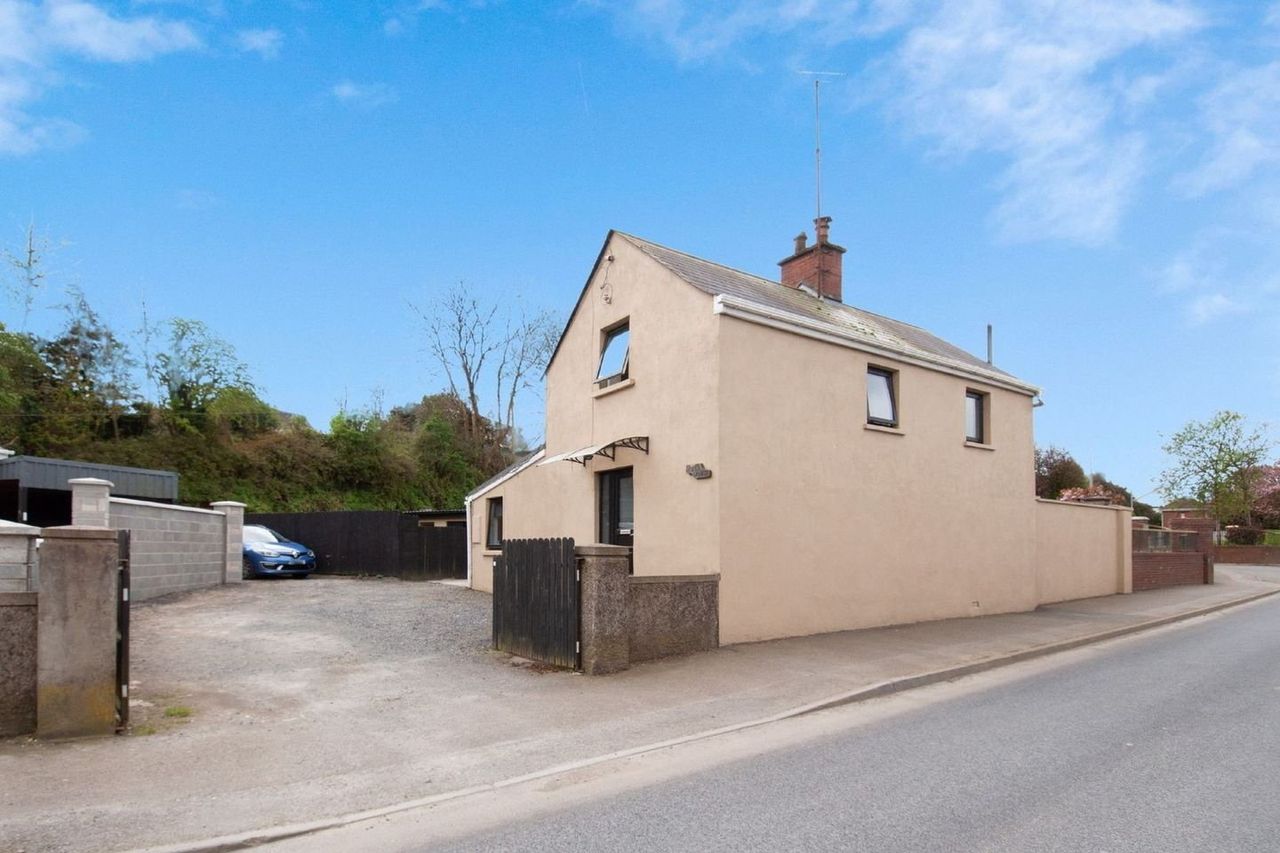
243	650
266	702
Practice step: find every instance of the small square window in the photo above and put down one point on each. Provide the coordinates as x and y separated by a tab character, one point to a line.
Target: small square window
975	417
493	535
614	356
882	407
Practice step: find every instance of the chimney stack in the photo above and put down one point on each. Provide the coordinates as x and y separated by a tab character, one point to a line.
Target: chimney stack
818	266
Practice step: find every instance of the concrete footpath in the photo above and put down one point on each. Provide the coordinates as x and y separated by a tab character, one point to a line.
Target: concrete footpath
490	721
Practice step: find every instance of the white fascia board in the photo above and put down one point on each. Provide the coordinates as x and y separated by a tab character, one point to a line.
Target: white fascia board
742	309
488	487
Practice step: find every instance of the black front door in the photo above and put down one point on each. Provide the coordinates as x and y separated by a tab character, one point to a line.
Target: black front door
617	507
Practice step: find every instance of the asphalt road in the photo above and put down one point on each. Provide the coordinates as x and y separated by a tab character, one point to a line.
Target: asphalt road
1165	742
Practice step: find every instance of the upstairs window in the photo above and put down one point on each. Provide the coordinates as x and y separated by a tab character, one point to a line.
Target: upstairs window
975	417
614	355
882	405
493	535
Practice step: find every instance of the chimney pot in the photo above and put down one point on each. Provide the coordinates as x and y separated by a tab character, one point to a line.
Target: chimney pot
822	226
802	239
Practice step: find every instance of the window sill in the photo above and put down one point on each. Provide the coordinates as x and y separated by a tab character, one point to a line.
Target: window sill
609	389
977	445
490	552
885	429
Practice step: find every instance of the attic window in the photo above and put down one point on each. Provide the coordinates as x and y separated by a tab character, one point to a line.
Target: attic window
614	355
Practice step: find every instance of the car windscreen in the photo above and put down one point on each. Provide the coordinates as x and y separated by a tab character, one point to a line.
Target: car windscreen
258	533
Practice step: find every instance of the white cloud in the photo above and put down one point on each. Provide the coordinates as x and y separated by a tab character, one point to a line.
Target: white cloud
1031	81
1242	117
36	37
1212	306
91	32
697	31
266	43
363	94
407	14
1223	271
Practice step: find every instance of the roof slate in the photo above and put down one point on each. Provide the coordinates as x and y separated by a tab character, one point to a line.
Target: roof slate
842	320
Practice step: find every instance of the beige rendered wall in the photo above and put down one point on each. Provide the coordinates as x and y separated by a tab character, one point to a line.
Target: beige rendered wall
1082	550
830	525
670	397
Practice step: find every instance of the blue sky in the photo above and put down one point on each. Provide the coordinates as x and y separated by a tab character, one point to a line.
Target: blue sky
1099	180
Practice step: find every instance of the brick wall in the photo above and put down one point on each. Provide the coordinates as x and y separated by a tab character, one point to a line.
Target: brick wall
1195	520
1156	569
1253	555
172	548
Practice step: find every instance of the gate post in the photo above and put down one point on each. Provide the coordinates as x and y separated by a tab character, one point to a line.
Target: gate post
606	646
76	640
233	529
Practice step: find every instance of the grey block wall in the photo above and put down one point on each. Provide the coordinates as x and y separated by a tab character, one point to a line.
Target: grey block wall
172	548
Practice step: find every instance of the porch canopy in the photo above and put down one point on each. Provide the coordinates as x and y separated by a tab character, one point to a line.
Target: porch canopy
607	450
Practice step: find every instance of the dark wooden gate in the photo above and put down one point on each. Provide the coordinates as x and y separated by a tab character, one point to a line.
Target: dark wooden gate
122	633
535	601
431	553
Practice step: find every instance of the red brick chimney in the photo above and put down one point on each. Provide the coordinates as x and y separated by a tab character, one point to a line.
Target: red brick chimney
817	266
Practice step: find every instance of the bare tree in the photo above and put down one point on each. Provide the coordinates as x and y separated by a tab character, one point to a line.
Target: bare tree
27	273
461	336
480	346
526	348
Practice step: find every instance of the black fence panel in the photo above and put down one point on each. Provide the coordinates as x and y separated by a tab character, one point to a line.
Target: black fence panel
535	601
373	542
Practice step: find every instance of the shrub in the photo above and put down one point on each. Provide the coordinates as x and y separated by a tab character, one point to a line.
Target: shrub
1245	535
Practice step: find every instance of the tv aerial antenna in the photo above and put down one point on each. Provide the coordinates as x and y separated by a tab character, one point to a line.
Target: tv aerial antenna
817	128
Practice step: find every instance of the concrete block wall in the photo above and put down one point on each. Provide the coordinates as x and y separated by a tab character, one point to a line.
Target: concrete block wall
17	557
172	548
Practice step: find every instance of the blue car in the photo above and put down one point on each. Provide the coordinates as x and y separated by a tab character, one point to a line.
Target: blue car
268	554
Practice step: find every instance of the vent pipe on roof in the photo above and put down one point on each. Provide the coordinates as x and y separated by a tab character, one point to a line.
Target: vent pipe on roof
990	352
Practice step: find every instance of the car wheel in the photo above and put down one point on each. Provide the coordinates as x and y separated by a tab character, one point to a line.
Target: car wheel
246	569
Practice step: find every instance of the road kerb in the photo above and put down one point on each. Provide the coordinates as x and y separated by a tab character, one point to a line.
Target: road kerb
256	838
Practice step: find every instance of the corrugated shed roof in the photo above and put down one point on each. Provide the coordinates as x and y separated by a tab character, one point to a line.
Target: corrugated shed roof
41	473
842	320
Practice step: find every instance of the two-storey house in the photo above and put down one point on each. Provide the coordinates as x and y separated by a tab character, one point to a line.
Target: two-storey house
836	468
